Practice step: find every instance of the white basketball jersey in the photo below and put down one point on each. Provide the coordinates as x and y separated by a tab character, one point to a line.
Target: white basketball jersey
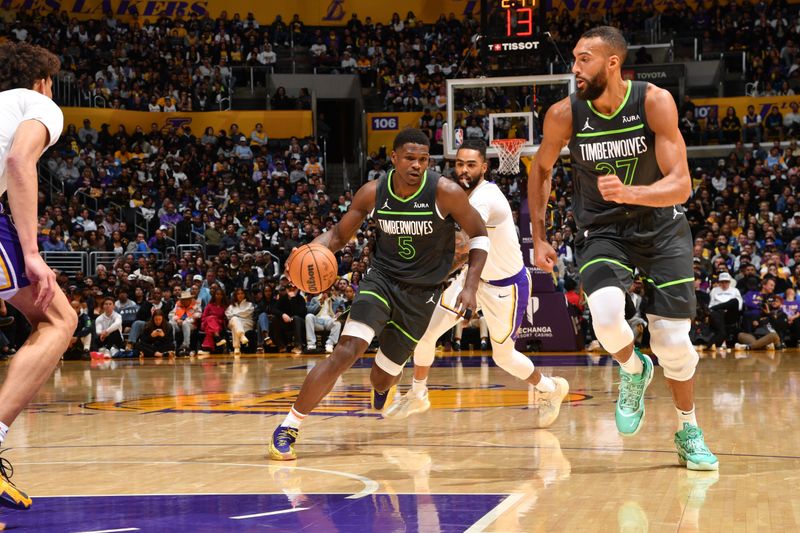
17	106
505	254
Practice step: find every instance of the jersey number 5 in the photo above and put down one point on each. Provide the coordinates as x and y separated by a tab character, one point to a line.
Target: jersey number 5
628	165
405	249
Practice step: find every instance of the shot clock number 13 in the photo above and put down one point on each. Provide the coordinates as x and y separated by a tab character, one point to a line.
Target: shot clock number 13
519	17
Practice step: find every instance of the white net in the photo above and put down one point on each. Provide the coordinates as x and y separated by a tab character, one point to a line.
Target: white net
508	151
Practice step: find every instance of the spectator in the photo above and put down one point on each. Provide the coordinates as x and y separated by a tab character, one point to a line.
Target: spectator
81	341
182	319
108	330
690	129
773	124
762	331
258	137
289	312
321	316
126	308
145	313
724	305
240	314
712	129
791	121
752	126
212	321
157	339
731	127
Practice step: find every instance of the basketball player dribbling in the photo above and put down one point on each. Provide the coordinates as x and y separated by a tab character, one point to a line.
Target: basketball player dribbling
631	175
31	123
416	211
503	296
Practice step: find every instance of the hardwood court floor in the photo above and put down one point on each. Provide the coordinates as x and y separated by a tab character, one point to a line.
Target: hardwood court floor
185	440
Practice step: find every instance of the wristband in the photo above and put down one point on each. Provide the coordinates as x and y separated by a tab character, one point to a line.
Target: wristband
480	243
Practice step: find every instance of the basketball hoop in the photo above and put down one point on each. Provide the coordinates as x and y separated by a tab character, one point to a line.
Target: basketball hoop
509	151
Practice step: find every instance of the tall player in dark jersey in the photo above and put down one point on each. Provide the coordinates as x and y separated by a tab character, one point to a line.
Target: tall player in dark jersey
415	210
631	177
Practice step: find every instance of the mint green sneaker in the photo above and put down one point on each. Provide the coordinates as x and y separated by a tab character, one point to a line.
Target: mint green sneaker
692	450
630	405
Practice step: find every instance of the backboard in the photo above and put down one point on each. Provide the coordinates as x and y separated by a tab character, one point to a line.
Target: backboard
501	108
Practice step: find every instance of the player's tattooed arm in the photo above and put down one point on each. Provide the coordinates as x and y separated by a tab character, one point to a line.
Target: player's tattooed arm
362	205
461	255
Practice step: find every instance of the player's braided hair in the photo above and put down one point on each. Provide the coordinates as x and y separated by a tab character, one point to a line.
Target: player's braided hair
22	64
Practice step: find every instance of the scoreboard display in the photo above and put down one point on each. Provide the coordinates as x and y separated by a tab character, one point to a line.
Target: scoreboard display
512	25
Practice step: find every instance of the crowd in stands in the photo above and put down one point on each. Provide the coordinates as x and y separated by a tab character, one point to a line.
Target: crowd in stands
246	200
185	63
248	203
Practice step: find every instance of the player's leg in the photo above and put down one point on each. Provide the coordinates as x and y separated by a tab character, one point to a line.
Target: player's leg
30	368
670	307
411	315
606	273
504	305
369	313
444	317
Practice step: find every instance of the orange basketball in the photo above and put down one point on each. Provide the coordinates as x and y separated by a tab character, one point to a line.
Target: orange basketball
312	268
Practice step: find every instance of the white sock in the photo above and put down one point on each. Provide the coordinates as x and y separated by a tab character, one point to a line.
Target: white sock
633	365
3	431
293	419
546	384
687	417
419	387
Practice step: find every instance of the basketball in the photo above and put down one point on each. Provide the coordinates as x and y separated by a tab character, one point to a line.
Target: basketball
312	268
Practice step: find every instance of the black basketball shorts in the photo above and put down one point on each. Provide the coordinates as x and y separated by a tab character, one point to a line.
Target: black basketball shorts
658	244
398	313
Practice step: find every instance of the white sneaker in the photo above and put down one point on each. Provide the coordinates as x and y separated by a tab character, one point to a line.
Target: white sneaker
237	351
771	346
329	348
243	339
740	346
594	346
549	403
408	404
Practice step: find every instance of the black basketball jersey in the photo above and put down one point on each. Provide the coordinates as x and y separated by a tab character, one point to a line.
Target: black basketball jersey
620	144
414	244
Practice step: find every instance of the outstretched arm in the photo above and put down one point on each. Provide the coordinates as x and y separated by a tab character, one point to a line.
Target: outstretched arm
557	131
451	199
363	203
676	185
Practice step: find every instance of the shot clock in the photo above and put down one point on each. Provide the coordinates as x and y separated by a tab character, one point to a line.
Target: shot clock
512	25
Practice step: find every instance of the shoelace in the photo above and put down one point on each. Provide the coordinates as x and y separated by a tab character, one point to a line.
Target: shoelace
286	437
631	392
6	470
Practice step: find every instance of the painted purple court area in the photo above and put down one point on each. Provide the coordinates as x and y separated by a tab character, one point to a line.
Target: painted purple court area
254	512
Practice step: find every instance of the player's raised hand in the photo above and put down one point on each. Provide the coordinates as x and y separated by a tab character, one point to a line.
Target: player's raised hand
43	280
544	255
612	189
